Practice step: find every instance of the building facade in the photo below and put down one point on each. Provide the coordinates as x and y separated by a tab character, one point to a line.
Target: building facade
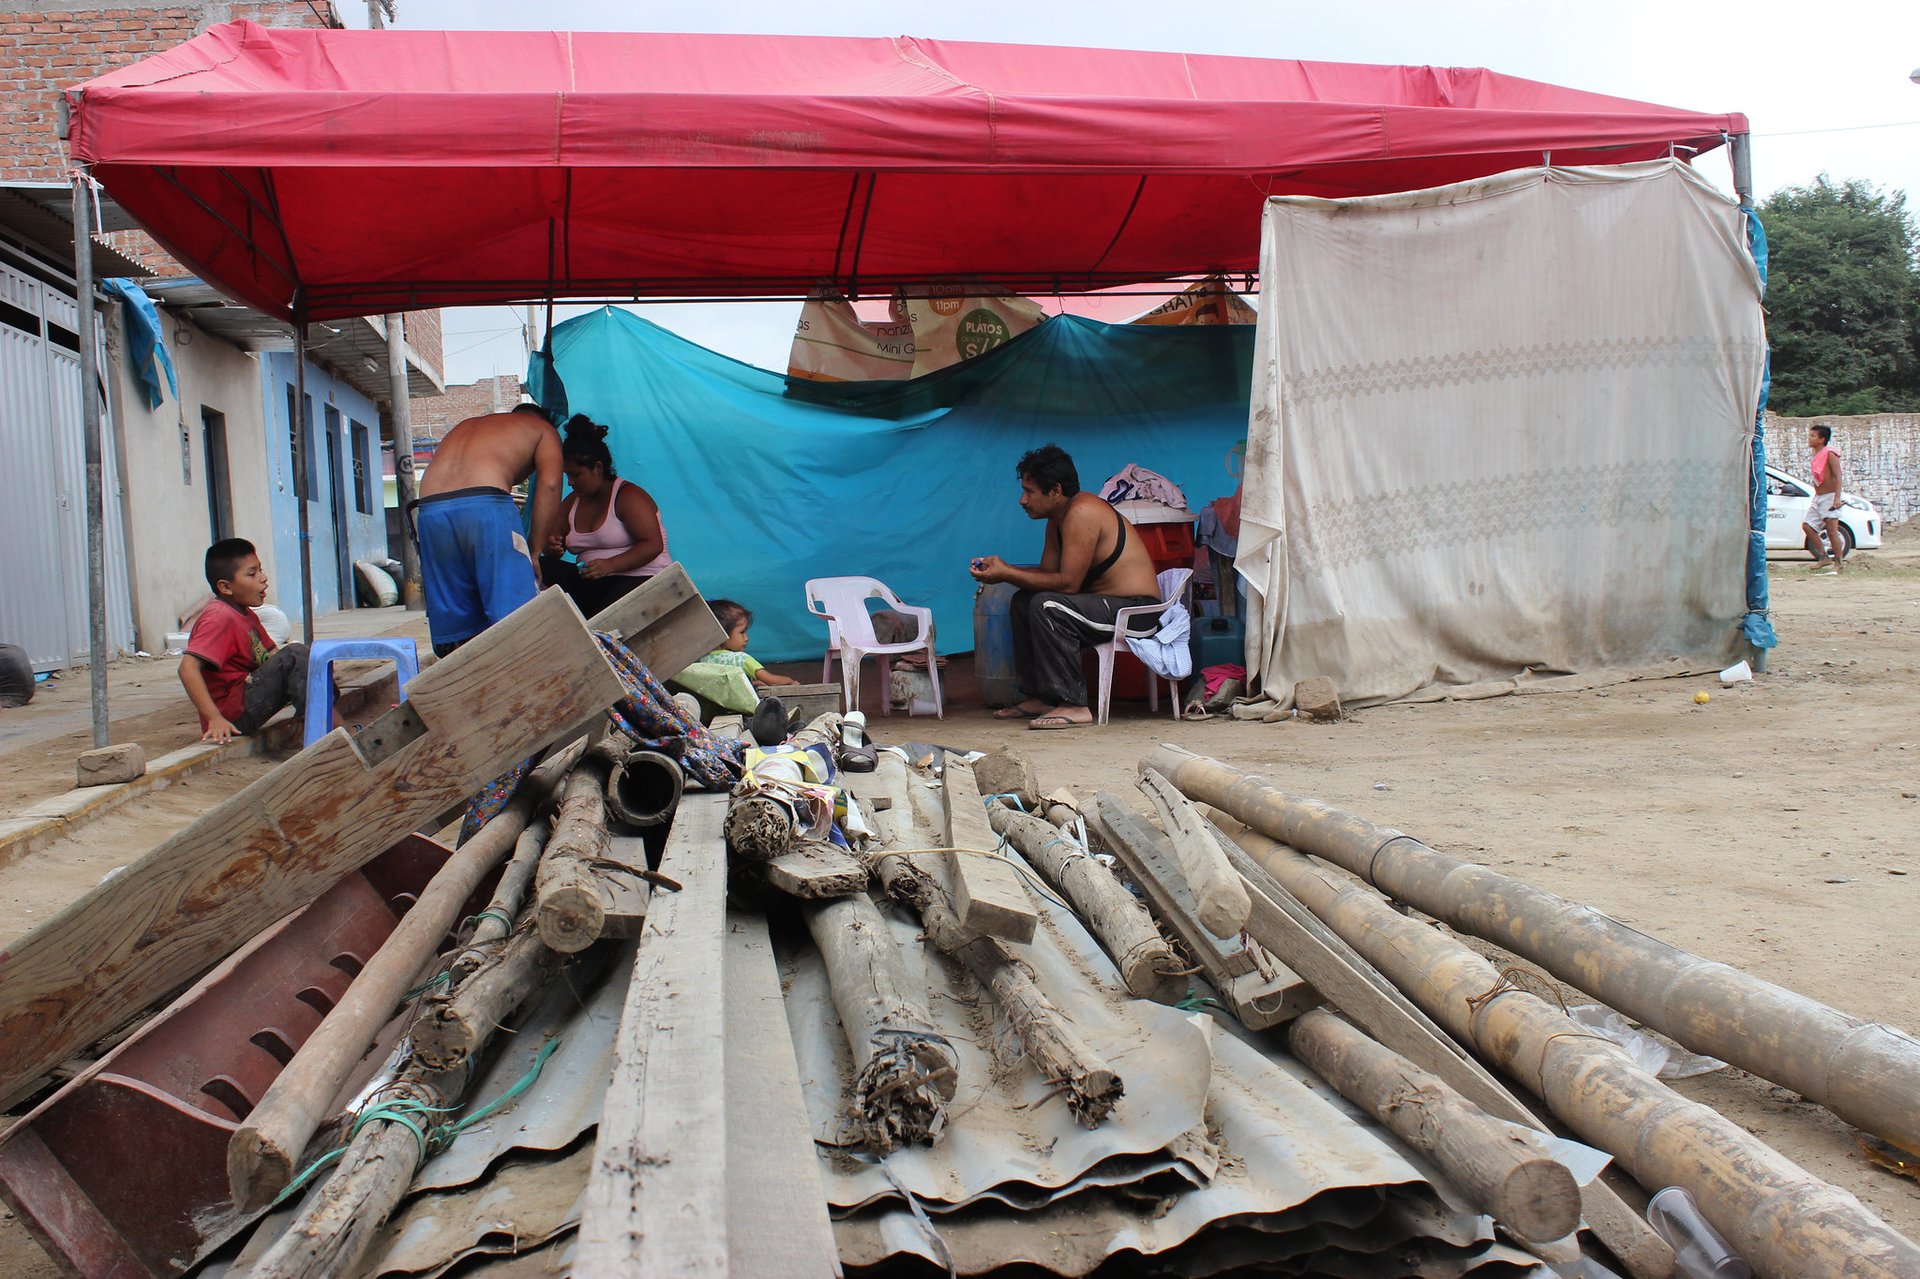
213	459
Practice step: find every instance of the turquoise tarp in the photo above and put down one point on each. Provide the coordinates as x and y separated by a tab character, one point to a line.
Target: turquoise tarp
765	481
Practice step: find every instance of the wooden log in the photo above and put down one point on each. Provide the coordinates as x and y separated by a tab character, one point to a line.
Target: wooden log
454	1024
1865	1072
1340	973
905	1071
656	1202
265	1149
334	1230
816	870
777	1222
988	895
570	911
1257	988
496	918
1780	1217
1219	897
759	828
284	839
664	622
1503	1169
1115	916
1092	1087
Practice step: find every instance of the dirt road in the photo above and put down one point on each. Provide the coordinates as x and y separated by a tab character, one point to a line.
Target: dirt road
1772	828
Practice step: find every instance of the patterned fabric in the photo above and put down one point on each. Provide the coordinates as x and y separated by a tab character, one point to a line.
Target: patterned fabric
648	713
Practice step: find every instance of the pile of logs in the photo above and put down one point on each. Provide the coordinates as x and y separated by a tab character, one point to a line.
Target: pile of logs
1210	890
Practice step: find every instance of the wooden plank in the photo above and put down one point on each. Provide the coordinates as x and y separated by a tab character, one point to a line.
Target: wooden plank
1219	896
656	1202
815	870
275	846
1262	991
664	622
988	893
777	1221
624	892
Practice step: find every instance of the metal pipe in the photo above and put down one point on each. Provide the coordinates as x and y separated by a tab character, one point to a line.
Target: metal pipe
1865	1072
302	480
90	428
1740	156
413	586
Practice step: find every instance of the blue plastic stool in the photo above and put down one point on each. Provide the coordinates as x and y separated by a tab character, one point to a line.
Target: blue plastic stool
402	651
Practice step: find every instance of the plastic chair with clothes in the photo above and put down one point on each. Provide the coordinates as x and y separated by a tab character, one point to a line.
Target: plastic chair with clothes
842	601
1173	585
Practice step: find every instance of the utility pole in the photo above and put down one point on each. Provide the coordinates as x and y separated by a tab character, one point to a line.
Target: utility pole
412	587
83	218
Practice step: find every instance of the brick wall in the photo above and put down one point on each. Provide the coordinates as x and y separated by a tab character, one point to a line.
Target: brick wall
424	336
433	416
50	45
1879	456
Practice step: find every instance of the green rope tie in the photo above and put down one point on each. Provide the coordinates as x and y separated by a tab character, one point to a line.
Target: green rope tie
472	921
412	1115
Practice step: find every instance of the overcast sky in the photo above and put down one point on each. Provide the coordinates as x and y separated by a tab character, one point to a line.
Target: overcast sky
1826	86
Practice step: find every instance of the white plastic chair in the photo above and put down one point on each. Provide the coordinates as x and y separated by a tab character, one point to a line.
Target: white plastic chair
1173	585
843	602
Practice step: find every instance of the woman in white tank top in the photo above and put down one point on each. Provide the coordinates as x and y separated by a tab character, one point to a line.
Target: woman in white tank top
612	527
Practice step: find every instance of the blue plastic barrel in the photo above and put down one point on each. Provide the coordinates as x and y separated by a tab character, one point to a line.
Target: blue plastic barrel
993	644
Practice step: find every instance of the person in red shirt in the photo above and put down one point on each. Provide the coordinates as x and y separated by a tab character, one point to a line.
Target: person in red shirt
234	675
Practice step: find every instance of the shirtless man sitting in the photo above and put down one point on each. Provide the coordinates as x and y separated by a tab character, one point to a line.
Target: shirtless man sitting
1090	569
472	553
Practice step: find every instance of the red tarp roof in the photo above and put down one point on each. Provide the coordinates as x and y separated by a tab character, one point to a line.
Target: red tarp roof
392	170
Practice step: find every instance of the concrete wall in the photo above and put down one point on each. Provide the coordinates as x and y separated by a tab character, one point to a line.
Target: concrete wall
1879	456
168	517
365	533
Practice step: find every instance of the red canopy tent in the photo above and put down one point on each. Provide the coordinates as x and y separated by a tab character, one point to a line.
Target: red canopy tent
349	172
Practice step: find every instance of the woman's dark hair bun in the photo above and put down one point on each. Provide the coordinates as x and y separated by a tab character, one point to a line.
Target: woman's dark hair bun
583	427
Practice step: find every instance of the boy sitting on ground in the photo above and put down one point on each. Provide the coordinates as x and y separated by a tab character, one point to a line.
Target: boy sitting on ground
234	675
737	619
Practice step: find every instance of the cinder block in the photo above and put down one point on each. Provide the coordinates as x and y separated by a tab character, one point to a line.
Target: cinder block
111	764
1316	698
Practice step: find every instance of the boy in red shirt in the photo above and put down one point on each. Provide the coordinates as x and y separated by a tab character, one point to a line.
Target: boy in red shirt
232	671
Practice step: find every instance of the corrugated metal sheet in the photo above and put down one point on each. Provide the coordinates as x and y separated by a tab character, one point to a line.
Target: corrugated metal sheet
43	519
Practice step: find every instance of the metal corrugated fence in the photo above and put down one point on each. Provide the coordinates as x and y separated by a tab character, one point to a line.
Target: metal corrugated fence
43	472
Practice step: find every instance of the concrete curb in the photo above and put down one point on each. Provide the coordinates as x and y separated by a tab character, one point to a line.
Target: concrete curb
32	829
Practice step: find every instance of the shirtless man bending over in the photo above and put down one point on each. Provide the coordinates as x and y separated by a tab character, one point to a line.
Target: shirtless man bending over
472	553
1090	569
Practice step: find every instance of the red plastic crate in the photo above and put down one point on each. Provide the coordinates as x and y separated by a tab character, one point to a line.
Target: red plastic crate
1169	545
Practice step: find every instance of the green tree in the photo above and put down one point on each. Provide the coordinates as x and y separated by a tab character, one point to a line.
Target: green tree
1843	299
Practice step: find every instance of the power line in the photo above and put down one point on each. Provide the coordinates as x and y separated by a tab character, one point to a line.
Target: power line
1845	128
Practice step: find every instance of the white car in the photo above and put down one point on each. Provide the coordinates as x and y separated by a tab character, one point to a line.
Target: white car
1787	499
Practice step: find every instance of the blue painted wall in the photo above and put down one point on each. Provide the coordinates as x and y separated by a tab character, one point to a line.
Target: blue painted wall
361	533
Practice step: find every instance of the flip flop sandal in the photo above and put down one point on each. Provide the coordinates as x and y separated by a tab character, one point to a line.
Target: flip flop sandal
856	752
1053	723
1014	712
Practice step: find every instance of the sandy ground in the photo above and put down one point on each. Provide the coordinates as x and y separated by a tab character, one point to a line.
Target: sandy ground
1771	828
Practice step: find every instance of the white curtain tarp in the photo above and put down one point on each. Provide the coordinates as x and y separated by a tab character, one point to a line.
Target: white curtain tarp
1500	426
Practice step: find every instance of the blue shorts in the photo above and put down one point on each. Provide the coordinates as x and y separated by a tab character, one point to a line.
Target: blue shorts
473	558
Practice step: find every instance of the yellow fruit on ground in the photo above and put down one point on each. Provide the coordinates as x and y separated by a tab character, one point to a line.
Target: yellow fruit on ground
1702	697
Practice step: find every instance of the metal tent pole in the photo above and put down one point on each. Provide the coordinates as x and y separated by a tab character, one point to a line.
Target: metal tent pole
1757	628
90	423
302	479
412	589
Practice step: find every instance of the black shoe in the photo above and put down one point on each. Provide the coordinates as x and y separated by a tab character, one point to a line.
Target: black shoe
768	724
